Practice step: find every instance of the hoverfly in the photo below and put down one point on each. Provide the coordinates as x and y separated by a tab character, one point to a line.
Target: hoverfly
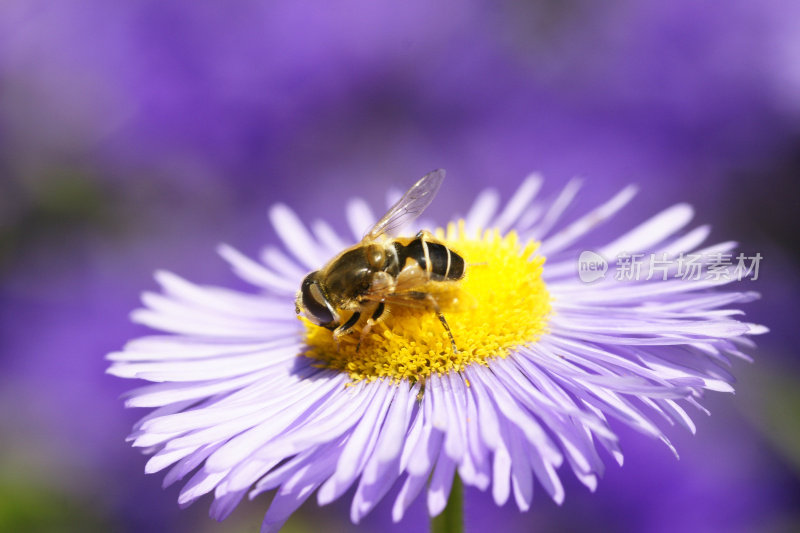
383	270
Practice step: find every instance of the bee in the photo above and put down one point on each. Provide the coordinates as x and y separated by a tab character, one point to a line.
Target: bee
383	270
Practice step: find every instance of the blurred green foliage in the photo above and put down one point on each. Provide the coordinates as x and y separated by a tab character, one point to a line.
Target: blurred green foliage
33	508
50	207
772	404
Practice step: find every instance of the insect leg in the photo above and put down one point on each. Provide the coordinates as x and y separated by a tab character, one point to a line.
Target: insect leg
447	328
431	301
345	328
371	322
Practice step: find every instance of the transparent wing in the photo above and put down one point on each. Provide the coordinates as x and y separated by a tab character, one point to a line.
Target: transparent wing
409	207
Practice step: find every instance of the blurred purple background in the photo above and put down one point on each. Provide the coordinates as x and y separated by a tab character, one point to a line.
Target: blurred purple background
138	135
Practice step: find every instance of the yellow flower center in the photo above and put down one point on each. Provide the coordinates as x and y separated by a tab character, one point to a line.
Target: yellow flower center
501	303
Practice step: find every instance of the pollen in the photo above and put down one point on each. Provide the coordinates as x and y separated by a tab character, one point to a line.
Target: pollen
501	304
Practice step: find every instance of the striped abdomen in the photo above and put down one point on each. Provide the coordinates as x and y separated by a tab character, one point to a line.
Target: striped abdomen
439	261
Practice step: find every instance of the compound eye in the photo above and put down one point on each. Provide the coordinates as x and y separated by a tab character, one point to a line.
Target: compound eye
376	256
314	302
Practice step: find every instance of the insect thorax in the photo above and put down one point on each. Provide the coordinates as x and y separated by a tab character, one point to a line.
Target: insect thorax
349	276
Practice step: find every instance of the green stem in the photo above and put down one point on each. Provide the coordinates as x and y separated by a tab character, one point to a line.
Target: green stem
451	520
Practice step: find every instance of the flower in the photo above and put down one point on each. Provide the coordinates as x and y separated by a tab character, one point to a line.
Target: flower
251	399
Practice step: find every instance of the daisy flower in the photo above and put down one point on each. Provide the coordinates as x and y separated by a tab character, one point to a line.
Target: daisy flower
250	399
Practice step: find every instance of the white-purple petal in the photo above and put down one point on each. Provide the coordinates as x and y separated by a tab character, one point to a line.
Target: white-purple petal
240	406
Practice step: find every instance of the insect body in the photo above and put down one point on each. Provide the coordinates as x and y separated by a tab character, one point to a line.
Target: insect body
383	270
